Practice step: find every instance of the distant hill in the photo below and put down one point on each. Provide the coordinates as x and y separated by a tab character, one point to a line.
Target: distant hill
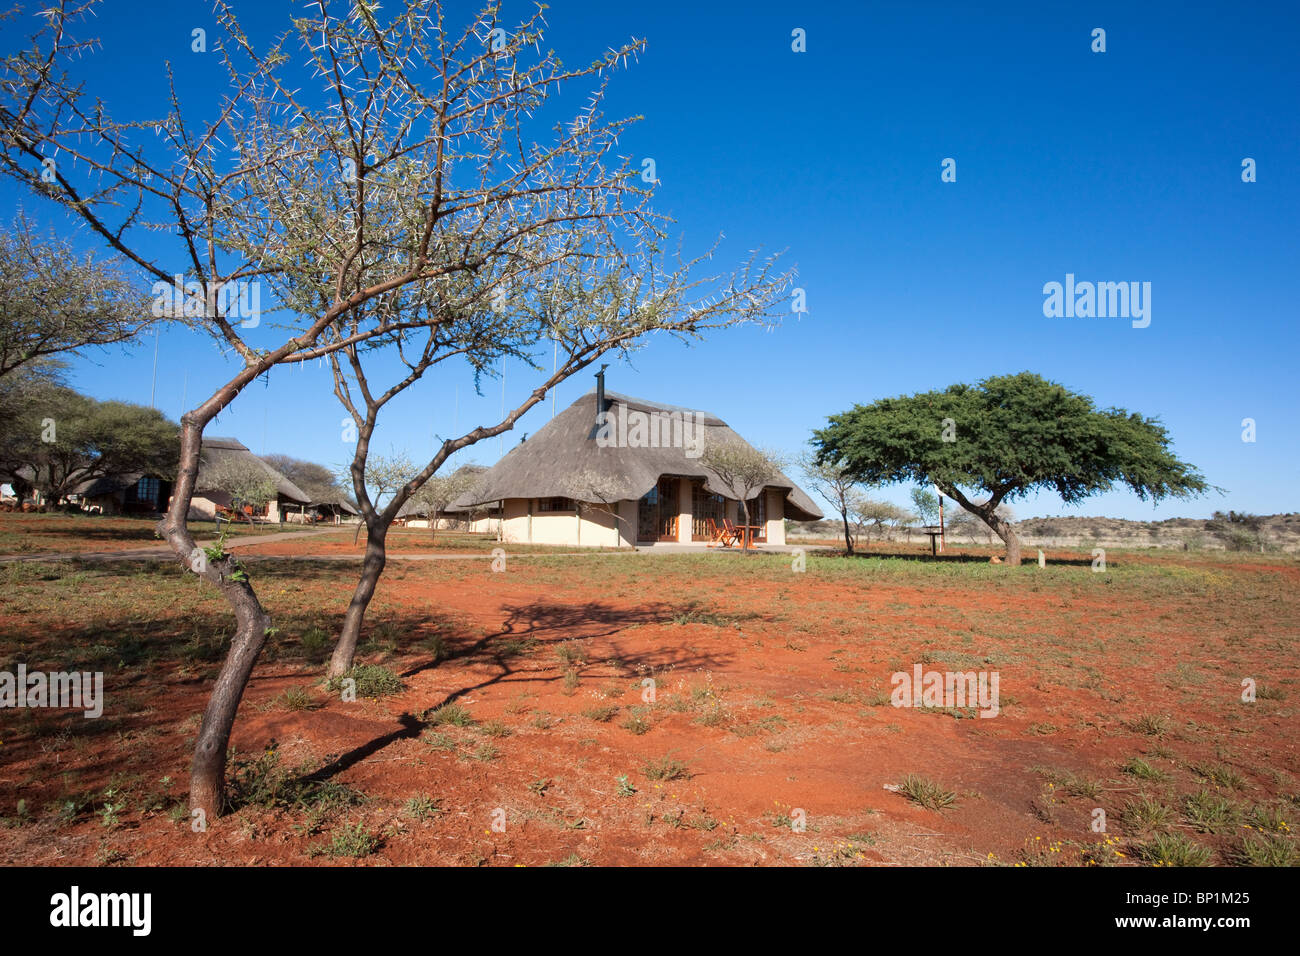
1229	531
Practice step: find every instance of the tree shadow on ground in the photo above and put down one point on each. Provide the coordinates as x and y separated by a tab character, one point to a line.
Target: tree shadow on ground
549	626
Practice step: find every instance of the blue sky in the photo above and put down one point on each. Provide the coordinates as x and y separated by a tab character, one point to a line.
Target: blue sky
1115	166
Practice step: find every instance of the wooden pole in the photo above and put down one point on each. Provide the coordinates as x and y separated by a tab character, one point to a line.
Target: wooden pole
942	540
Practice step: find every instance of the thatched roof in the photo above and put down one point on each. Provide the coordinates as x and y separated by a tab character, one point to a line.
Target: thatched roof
107	484
564	460
215	450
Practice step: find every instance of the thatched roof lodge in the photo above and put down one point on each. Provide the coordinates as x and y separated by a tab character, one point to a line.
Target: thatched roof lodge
484	519
130	493
229	454
640	481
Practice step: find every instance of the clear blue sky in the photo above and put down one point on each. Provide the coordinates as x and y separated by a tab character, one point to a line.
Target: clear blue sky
1115	166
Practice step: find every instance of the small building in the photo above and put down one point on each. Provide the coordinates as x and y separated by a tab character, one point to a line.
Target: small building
631	476
337	509
133	493
207	500
480	519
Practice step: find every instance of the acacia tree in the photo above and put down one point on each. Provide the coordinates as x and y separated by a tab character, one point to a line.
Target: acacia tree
320	483
25	389
587	292
1014	434
834	483
440	491
382	477
340	156
926	505
56	300
960	524
244	482
745	469
59	438
868	513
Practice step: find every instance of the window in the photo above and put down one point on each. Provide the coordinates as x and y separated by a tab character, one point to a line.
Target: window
145	491
758	515
555	504
705	507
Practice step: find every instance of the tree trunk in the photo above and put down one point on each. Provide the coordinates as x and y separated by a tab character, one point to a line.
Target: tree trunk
848	540
744	534
1007	533
208	770
371	568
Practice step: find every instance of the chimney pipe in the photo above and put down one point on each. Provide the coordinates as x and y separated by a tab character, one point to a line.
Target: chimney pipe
600	394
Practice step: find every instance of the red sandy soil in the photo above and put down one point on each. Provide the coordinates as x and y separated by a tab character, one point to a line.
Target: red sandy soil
786	651
400	542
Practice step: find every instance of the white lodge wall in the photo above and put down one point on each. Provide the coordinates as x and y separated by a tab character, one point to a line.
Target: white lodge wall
595	527
685	510
775	516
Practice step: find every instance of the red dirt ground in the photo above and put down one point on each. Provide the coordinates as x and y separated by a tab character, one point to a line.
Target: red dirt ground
768	693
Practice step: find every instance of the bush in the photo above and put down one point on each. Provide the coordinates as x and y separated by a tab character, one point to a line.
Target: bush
372	681
926	793
353	840
314	643
666	768
1174	849
453	715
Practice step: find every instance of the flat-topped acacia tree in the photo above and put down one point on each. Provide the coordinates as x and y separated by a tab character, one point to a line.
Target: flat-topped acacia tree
1004	438
365	151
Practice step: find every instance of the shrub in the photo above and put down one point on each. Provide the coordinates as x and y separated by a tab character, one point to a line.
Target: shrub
372	681
422	808
1266	849
926	793
1145	813
298	698
1208	812
352	840
453	715
314	643
666	768
1174	849
637	721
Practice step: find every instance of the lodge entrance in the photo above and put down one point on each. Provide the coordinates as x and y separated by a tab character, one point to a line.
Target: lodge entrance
657	512
707	512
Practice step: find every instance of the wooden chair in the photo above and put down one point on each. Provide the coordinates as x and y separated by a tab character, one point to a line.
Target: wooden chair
730	533
715	533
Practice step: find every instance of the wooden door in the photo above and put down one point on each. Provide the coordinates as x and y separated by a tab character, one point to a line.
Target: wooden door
657	511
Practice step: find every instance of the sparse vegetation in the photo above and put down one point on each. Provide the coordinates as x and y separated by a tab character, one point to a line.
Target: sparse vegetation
351	840
422	808
371	680
926	793
1146	813
666	768
1174	849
